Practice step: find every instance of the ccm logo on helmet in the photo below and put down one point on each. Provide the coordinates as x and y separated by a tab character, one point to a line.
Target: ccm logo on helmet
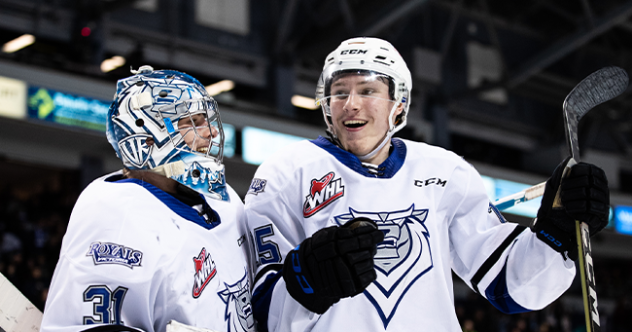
345	52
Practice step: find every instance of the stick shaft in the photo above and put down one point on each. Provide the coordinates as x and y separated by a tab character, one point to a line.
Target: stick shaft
600	86
17	313
589	295
520	197
587	275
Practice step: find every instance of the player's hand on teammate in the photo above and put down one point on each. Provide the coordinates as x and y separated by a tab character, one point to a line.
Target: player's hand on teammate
584	196
336	262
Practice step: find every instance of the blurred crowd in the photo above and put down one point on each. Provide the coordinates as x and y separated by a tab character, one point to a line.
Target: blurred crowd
614	290
33	222
476	314
32	225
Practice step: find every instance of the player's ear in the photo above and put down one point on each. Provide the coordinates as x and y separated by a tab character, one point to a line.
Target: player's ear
398	111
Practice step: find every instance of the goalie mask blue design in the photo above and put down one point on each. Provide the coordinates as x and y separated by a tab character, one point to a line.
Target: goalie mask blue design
135	150
209	180
402	258
166	122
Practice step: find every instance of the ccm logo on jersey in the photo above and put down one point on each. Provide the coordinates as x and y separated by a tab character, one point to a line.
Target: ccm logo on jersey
321	193
427	182
204	271
112	253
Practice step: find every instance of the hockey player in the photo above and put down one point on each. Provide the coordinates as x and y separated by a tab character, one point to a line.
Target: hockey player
430	205
164	238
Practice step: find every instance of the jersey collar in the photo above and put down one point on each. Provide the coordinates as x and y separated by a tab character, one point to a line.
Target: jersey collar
174	204
387	169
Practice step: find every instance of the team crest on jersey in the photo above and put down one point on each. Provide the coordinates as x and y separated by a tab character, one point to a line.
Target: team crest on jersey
204	271
321	193
112	253
403	257
238	312
257	186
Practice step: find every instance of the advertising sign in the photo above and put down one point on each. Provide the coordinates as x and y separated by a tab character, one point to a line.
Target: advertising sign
258	144
12	98
230	142
623	219
68	109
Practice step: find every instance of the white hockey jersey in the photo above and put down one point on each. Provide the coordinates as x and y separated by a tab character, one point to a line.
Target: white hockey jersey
436	216
134	255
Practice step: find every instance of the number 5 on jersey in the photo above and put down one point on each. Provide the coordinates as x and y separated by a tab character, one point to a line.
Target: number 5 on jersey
267	250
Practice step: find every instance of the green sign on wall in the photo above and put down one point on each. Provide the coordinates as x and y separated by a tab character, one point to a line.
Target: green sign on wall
68	109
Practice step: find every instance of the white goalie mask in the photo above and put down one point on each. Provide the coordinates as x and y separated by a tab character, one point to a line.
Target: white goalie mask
166	122
376	60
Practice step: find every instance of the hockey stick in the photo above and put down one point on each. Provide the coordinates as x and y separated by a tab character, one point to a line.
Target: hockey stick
520	197
17	313
591	100
600	86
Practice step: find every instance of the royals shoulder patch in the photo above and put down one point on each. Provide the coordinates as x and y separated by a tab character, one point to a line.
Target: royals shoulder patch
112	253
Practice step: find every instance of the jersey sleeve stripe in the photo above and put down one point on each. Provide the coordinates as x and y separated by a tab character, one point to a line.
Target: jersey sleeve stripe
494	257
498	295
262	296
266	269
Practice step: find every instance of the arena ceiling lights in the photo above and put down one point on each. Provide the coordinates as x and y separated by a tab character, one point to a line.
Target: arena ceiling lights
18	43
304	102
219	87
112	63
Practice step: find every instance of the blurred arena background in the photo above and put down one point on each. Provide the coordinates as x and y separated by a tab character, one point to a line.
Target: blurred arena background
489	76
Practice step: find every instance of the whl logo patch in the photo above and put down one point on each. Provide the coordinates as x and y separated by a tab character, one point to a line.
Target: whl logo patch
321	193
204	271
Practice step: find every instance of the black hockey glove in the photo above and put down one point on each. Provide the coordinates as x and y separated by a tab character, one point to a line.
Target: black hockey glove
334	263
585	197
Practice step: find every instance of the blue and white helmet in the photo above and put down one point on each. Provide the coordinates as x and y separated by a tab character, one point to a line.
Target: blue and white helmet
166	122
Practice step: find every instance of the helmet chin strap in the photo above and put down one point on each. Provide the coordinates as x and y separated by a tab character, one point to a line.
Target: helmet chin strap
170	169
372	154
387	137
367	156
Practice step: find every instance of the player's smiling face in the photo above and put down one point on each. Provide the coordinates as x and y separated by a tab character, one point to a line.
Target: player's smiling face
196	133
360	106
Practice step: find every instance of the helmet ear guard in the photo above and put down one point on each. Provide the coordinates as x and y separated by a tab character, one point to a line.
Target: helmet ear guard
143	128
